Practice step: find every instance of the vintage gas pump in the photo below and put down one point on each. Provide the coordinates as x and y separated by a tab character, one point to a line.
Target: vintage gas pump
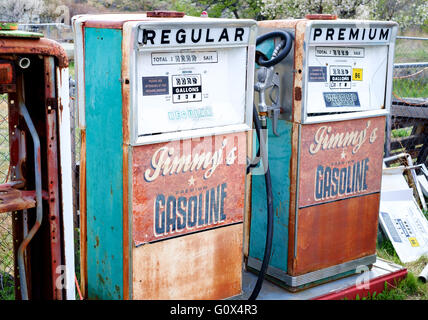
34	82
165	108
326	103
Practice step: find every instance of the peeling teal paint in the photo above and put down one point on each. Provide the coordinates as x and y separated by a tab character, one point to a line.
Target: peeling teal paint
279	153
104	161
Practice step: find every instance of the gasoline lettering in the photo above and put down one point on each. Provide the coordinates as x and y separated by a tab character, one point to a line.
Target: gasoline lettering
332	182
175	214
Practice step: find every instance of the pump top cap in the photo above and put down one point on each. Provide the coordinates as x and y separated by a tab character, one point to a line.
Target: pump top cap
321	16
165	14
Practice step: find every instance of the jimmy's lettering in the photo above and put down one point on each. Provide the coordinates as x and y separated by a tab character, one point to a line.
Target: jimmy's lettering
166	163
325	139
192	36
174	215
332	182
350	34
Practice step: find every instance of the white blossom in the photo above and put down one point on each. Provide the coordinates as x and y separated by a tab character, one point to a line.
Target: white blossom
23	11
405	12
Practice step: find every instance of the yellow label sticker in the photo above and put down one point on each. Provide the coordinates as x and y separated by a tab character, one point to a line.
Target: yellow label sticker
414	242
357	74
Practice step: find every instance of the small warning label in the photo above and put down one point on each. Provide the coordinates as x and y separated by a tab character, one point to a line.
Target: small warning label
317	74
153	86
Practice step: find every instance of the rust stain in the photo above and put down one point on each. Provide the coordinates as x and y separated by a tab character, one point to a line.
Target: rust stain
14	200
126	107
247	213
208	266
101	279
336	232
278	24
293	193
165	14
297	93
299	53
83	216
52	166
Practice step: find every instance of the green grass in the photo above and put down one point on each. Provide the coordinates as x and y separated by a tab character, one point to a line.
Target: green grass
7	287
71	68
407	51
401	133
411	50
409	288
411	88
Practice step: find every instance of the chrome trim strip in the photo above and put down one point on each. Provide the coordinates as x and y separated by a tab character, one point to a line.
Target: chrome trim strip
317	275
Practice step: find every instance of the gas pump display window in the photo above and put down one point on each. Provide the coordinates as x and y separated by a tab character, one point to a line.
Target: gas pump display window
346	68
344	75
187	89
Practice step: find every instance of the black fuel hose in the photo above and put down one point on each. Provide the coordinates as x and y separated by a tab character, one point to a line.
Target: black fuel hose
269	233
279	54
287	41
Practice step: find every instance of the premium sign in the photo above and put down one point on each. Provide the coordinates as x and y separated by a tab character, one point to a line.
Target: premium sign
340	160
187	186
350	34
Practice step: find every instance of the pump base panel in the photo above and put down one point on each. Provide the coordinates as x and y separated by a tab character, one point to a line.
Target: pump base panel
311	279
202	266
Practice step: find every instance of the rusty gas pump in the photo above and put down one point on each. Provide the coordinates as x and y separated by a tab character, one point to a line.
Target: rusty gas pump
34	76
325	110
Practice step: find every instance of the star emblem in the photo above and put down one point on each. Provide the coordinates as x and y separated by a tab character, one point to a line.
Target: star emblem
343	154
191	181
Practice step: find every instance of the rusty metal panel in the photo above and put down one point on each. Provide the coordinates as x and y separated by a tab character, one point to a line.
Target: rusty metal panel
53	173
278	24
187	186
41	46
299	54
294	167
83	215
339	160
203	265
335	232
7	76
13	200
127	183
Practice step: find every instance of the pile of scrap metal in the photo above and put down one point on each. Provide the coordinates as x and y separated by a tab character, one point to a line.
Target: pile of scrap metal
404	188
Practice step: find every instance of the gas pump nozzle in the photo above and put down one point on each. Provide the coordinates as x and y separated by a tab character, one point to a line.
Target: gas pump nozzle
267	78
